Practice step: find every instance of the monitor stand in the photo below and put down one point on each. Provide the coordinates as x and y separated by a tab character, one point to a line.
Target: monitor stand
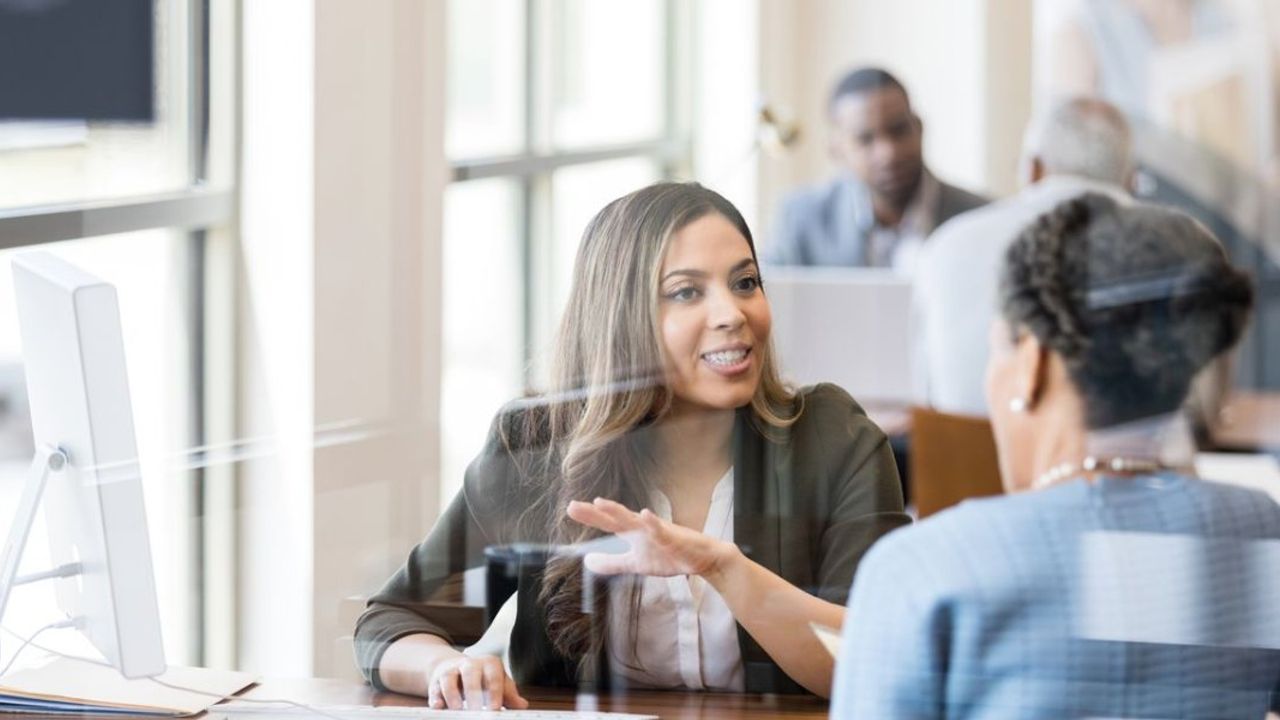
47	460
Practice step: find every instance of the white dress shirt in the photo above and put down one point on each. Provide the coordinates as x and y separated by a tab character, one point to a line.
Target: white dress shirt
686	637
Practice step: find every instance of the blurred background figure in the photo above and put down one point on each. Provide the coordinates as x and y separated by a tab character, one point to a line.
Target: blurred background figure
884	202
1198	81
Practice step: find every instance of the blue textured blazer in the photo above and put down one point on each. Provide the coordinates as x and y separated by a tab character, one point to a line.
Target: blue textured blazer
1150	597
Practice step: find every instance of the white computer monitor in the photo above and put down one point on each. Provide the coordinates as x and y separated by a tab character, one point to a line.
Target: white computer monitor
848	326
87	458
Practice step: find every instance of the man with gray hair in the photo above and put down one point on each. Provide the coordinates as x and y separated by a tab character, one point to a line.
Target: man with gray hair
1082	145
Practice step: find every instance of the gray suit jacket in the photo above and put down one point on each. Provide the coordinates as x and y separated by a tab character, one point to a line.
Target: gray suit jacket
821	225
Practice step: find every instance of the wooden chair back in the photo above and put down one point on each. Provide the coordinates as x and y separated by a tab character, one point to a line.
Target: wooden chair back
952	457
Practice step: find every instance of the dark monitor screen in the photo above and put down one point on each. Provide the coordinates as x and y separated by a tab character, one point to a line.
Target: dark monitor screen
77	59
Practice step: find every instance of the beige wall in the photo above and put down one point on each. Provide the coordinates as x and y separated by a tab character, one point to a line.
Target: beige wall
343	179
380	174
1008	91
965	62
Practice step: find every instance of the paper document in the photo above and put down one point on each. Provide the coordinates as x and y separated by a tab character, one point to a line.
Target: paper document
72	686
828	636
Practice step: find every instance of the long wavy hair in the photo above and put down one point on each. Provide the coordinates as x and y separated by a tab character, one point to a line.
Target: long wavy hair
608	384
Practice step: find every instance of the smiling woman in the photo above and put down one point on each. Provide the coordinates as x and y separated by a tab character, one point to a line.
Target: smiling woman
755	503
713	315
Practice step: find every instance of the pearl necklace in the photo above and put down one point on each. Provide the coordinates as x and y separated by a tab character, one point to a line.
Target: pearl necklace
1060	472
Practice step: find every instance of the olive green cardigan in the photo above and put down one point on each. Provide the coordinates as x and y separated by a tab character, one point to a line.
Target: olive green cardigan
808	503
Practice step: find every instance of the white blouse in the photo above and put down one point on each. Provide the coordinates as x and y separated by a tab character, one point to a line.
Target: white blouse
686	638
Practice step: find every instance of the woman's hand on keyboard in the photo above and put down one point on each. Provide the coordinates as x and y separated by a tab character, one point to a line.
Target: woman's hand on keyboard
473	683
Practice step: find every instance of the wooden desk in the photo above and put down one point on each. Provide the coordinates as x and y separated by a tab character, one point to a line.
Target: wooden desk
675	704
1250	423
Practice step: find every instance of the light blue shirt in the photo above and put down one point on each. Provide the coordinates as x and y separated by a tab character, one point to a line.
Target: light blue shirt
1125	598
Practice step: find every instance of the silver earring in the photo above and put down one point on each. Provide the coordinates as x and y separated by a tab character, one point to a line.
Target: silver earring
1018	405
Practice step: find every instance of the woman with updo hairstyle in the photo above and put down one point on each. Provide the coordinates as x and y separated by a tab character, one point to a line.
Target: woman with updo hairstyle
738	508
1109	581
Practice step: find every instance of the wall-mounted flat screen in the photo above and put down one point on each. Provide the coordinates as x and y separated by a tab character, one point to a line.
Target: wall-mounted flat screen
77	59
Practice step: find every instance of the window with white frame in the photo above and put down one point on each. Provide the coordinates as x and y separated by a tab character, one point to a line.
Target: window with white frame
554	108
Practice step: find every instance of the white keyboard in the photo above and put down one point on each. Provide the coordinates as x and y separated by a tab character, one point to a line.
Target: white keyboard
270	711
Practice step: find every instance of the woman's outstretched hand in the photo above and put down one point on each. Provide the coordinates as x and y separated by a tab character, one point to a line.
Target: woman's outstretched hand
658	547
775	612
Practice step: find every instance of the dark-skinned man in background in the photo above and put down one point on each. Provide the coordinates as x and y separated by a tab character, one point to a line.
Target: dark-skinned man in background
884	203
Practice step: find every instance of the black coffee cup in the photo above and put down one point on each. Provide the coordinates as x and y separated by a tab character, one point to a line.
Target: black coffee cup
506	566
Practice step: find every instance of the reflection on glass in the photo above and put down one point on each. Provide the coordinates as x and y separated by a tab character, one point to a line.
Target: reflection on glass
483	318
608	70
486	84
